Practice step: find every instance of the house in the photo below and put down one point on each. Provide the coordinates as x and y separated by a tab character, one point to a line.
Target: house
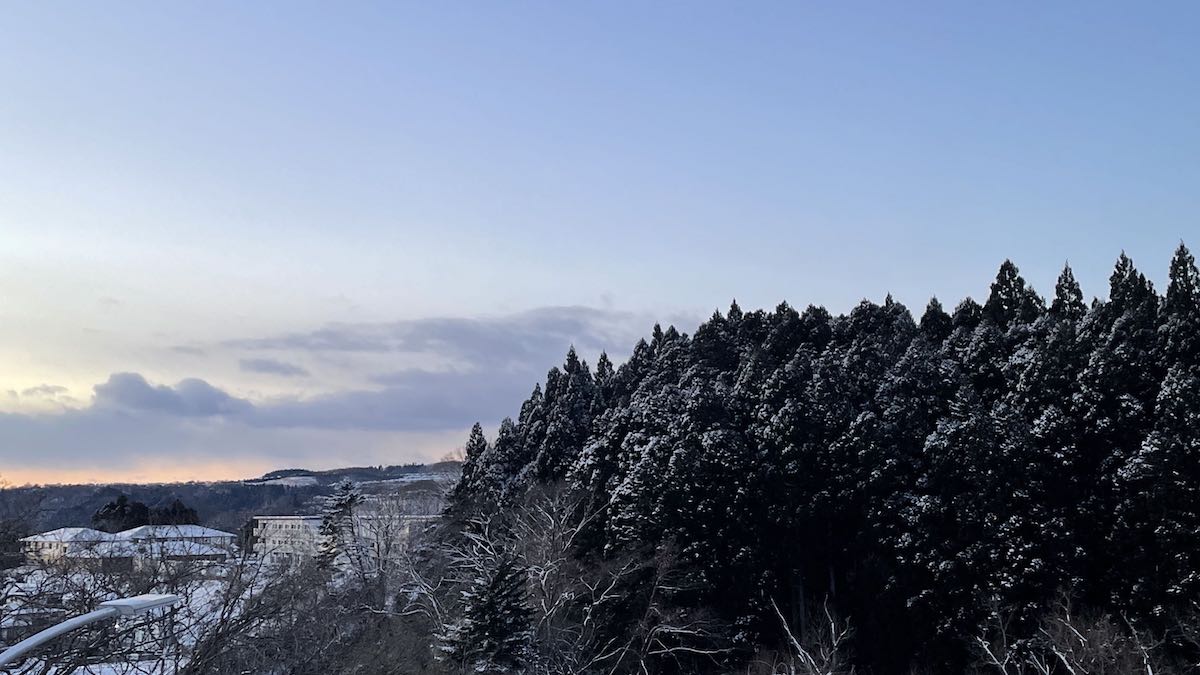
174	544
62	543
194	534
104	556
124	550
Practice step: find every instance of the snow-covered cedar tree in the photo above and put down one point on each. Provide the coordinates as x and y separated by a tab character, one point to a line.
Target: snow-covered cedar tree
490	630
919	477
337	535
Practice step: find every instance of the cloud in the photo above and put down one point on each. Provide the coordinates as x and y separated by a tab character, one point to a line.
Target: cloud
272	367
44	391
410	390
136	430
43	396
190	350
110	445
495	361
539	336
411	400
189	398
473	369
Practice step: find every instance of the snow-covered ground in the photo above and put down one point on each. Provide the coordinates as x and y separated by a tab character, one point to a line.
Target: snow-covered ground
65	594
415	478
290	481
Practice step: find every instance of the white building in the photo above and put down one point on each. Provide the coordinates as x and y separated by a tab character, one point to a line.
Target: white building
286	539
195	534
171	543
63	542
289	539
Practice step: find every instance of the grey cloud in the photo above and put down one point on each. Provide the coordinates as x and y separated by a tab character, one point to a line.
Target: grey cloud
118	442
538	336
496	361
189	398
476	369
44	391
272	367
411	400
188	349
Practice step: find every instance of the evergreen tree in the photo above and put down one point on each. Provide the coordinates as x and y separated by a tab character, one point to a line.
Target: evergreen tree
1118	388
890	440
705	499
1042	393
912	475
966	315
570	402
1011	299
495	478
474	466
491	632
1179	328
175	513
962	526
1068	297
936	325
605	376
1158	518
651	432
121	514
338	536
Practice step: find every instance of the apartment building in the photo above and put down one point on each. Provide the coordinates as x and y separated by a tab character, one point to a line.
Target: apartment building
293	538
138	546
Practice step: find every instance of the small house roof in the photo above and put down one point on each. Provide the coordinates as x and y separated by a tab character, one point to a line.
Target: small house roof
174	532
102	549
182	549
70	534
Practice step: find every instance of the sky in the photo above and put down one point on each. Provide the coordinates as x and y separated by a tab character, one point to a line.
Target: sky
237	237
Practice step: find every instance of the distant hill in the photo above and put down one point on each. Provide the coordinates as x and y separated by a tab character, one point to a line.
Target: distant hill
360	474
225	505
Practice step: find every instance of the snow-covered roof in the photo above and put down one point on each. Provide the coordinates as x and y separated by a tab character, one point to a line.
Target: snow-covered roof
170	548
70	534
174	532
292	518
87	534
102	549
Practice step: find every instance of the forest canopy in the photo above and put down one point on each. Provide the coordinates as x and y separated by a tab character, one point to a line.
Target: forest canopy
920	477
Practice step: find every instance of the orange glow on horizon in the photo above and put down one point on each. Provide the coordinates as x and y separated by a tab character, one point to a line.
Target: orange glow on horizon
144	472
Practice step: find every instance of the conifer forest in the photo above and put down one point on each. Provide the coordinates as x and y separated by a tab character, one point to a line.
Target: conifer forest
989	486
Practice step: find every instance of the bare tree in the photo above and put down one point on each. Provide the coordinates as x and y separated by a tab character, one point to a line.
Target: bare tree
1067	642
609	615
822	648
1096	644
571	600
223	603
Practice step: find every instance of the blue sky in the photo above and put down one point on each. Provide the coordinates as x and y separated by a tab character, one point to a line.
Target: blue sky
183	184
